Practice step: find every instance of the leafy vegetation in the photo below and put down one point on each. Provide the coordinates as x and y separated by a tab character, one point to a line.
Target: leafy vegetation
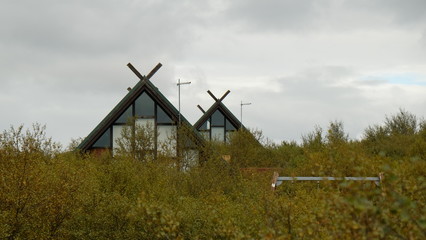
46	193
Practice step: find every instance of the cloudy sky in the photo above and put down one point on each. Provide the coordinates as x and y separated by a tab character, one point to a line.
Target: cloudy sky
300	63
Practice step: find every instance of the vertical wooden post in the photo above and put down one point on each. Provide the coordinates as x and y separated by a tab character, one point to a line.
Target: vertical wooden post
275	176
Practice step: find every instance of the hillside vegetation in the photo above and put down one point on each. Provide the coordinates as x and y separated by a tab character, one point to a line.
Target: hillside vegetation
48	193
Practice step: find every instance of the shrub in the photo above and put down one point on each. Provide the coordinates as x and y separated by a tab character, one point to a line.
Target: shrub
49	194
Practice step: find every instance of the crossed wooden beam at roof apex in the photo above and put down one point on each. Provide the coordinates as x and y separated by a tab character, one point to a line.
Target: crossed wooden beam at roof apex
156	68
215	98
147	77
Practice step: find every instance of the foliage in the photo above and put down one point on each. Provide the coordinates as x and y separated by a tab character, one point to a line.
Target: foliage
16	140
49	194
144	143
137	141
401	134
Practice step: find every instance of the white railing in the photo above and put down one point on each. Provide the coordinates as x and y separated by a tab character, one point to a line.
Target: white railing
277	180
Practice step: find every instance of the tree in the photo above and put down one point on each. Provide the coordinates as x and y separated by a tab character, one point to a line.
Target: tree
137	141
336	133
395	137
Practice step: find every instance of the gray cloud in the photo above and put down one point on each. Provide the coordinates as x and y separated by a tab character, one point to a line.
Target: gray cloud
47	32
301	63
72	43
423	40
411	12
323	94
60	59
275	14
86	28
308	16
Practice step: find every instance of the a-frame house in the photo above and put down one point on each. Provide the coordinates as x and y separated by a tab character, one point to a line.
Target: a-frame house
218	122
147	107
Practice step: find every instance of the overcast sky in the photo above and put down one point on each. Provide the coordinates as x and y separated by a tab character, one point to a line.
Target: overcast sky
300	63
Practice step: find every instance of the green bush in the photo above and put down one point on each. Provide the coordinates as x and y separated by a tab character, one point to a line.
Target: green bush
46	193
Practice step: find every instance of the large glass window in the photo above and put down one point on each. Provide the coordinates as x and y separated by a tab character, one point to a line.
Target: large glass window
145	122
146	125
145	133
205	126
144	105
218	119
229	126
166	140
228	135
104	141
218	134
155	128
125	116
116	135
162	116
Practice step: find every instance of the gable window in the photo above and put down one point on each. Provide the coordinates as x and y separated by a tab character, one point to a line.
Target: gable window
219	126
117	131
218	134
104	141
153	129
162	116
125	116
166	140
144	106
218	119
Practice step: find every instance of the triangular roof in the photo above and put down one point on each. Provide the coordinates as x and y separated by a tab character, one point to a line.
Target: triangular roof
218	105
144	85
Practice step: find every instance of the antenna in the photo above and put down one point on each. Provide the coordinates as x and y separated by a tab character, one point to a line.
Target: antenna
243	104
178	84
